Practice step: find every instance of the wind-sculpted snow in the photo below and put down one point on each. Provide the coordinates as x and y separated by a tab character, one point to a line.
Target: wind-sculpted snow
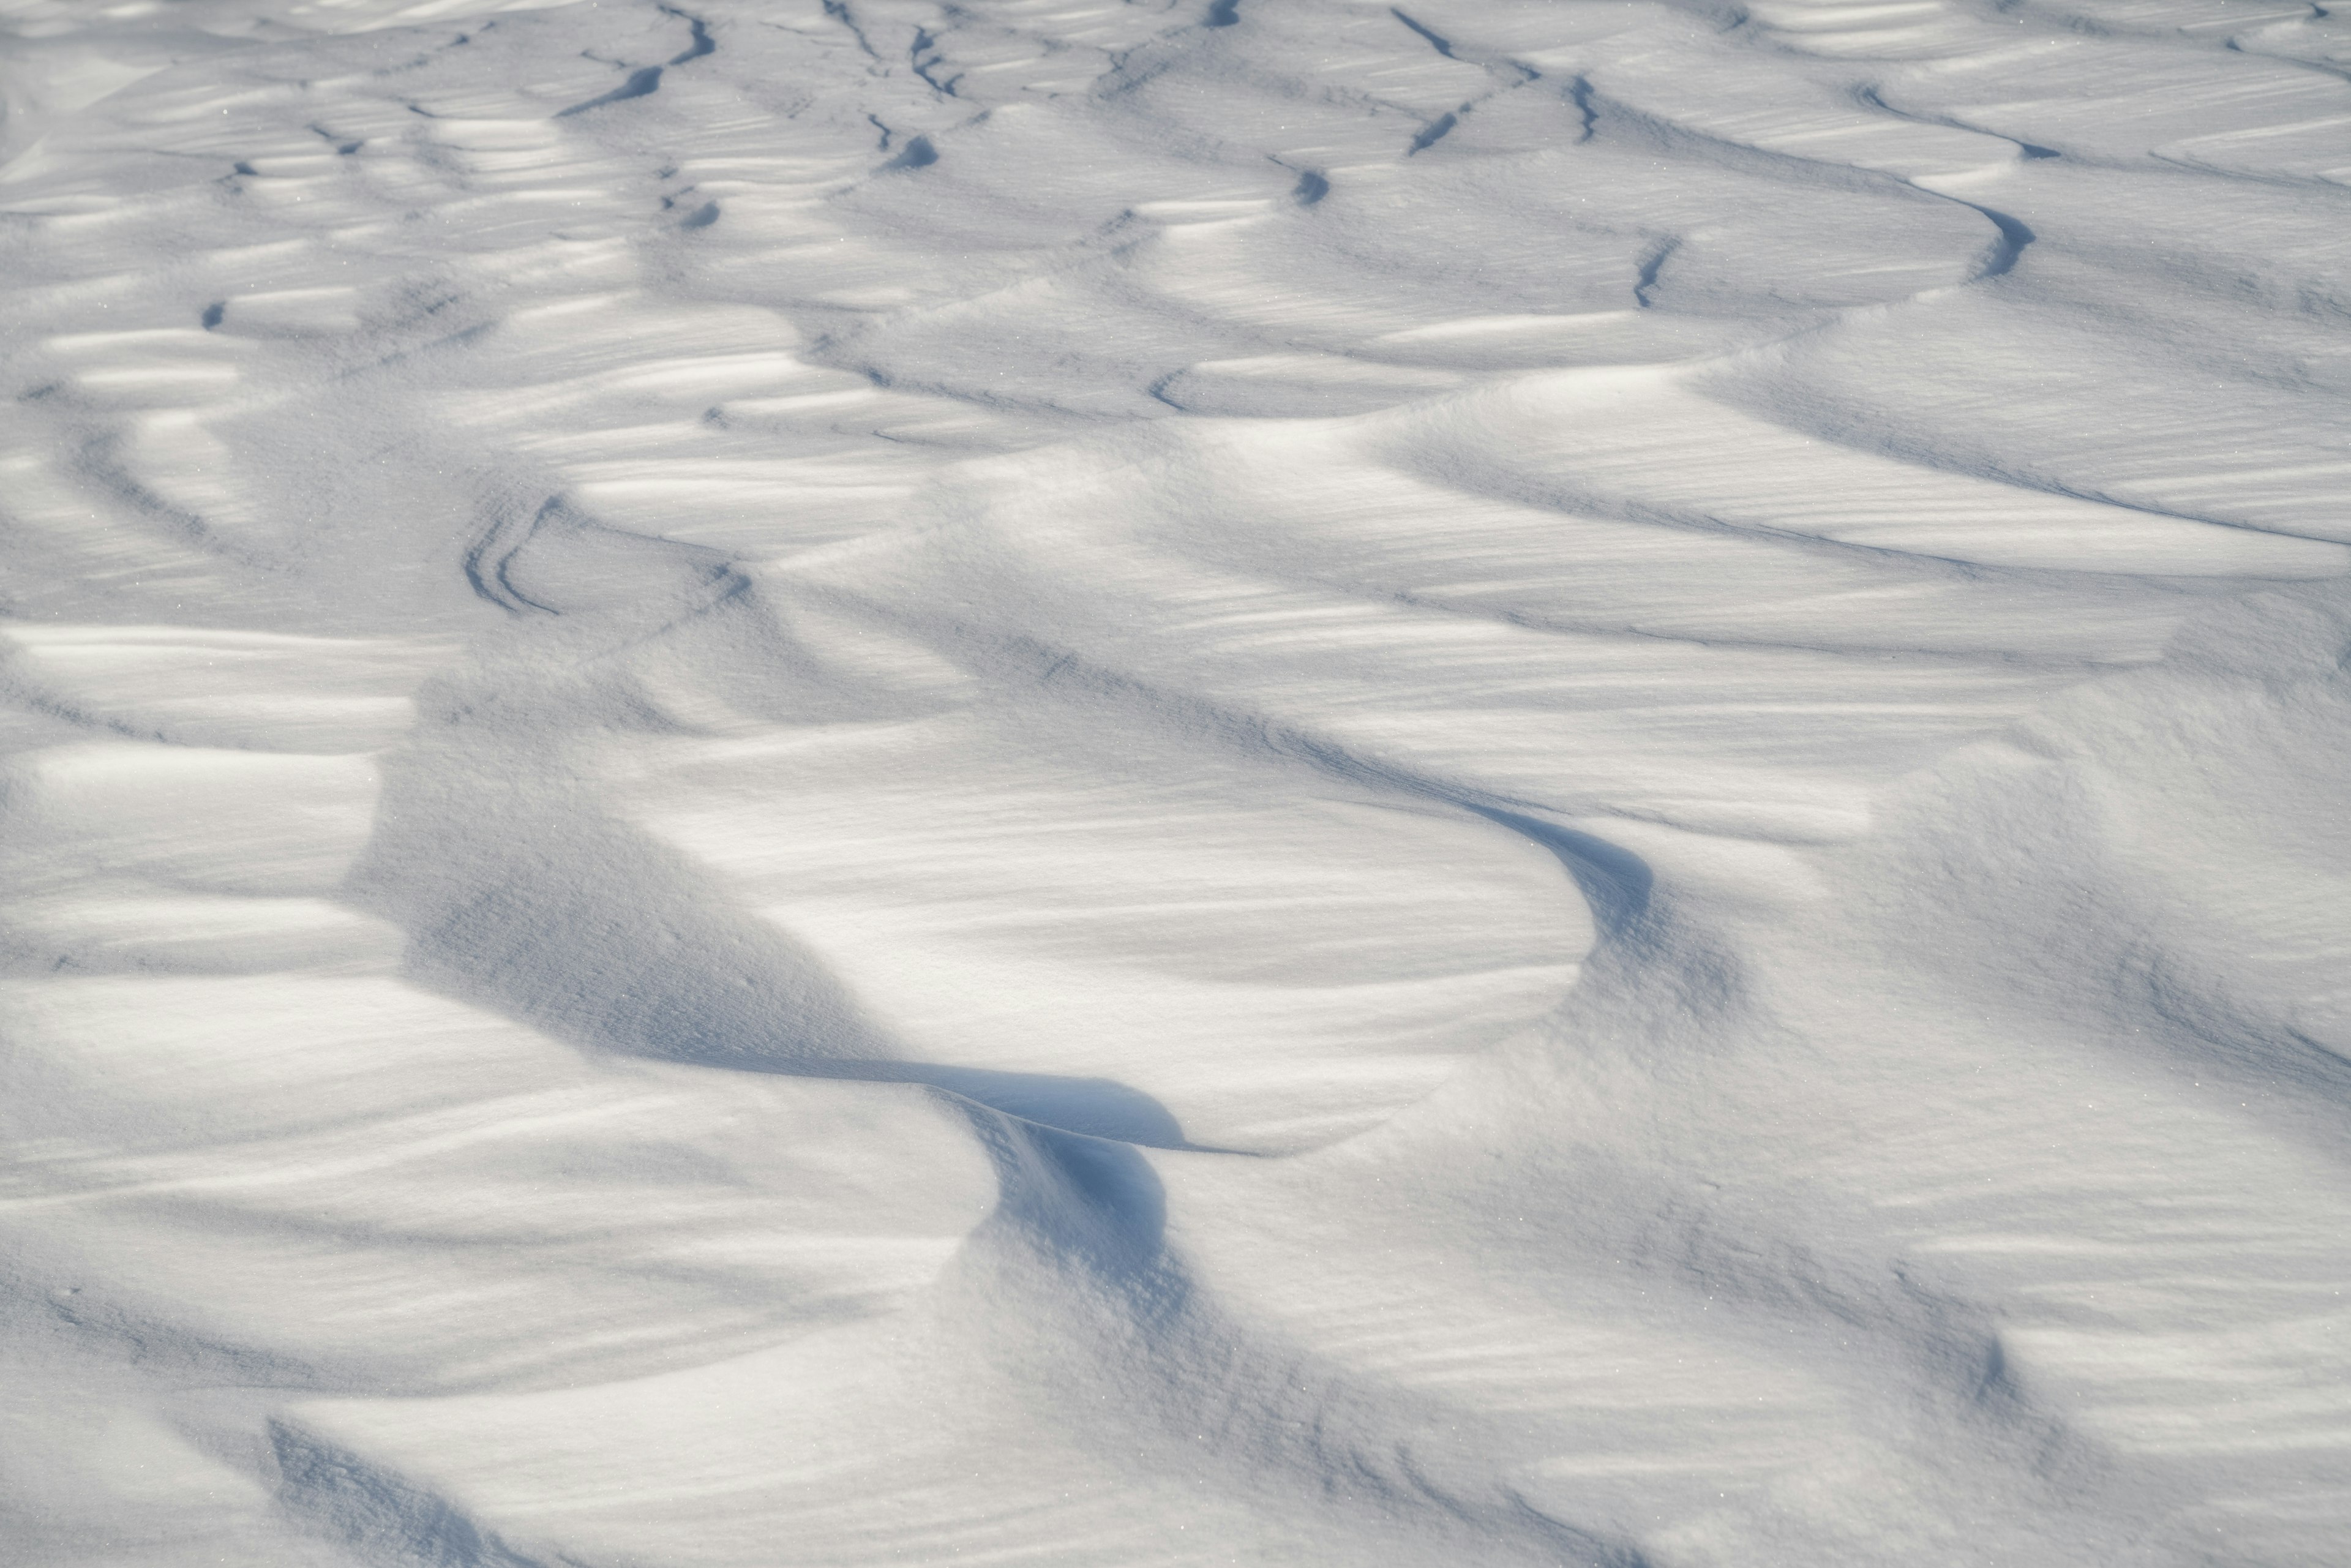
1275	781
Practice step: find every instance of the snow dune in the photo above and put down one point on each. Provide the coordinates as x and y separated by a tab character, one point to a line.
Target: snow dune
1280	782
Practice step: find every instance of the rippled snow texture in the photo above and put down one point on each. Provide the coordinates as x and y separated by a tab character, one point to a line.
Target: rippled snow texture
1275	781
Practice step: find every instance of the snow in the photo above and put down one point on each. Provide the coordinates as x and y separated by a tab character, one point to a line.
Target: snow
1274	782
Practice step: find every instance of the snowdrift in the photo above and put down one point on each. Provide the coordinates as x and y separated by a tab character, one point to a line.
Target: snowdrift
1282	782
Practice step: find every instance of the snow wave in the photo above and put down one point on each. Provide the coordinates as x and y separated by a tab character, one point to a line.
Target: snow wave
1286	782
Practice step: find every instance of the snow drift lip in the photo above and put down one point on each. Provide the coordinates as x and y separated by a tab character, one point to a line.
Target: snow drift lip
702	44
918	153
703	987
646	81
643	82
672	972
1614	881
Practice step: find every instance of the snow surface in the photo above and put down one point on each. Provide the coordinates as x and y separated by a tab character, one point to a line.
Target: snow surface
1275	781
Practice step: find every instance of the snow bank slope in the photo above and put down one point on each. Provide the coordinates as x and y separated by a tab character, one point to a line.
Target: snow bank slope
1280	782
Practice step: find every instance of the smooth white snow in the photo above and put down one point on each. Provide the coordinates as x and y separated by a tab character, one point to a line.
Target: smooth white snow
1270	781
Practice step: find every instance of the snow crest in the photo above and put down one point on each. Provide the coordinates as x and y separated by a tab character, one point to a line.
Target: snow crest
1287	781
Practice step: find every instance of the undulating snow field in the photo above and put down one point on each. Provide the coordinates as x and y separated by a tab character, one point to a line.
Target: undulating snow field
837	783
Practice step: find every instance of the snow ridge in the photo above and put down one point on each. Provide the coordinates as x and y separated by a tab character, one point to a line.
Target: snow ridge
1289	781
